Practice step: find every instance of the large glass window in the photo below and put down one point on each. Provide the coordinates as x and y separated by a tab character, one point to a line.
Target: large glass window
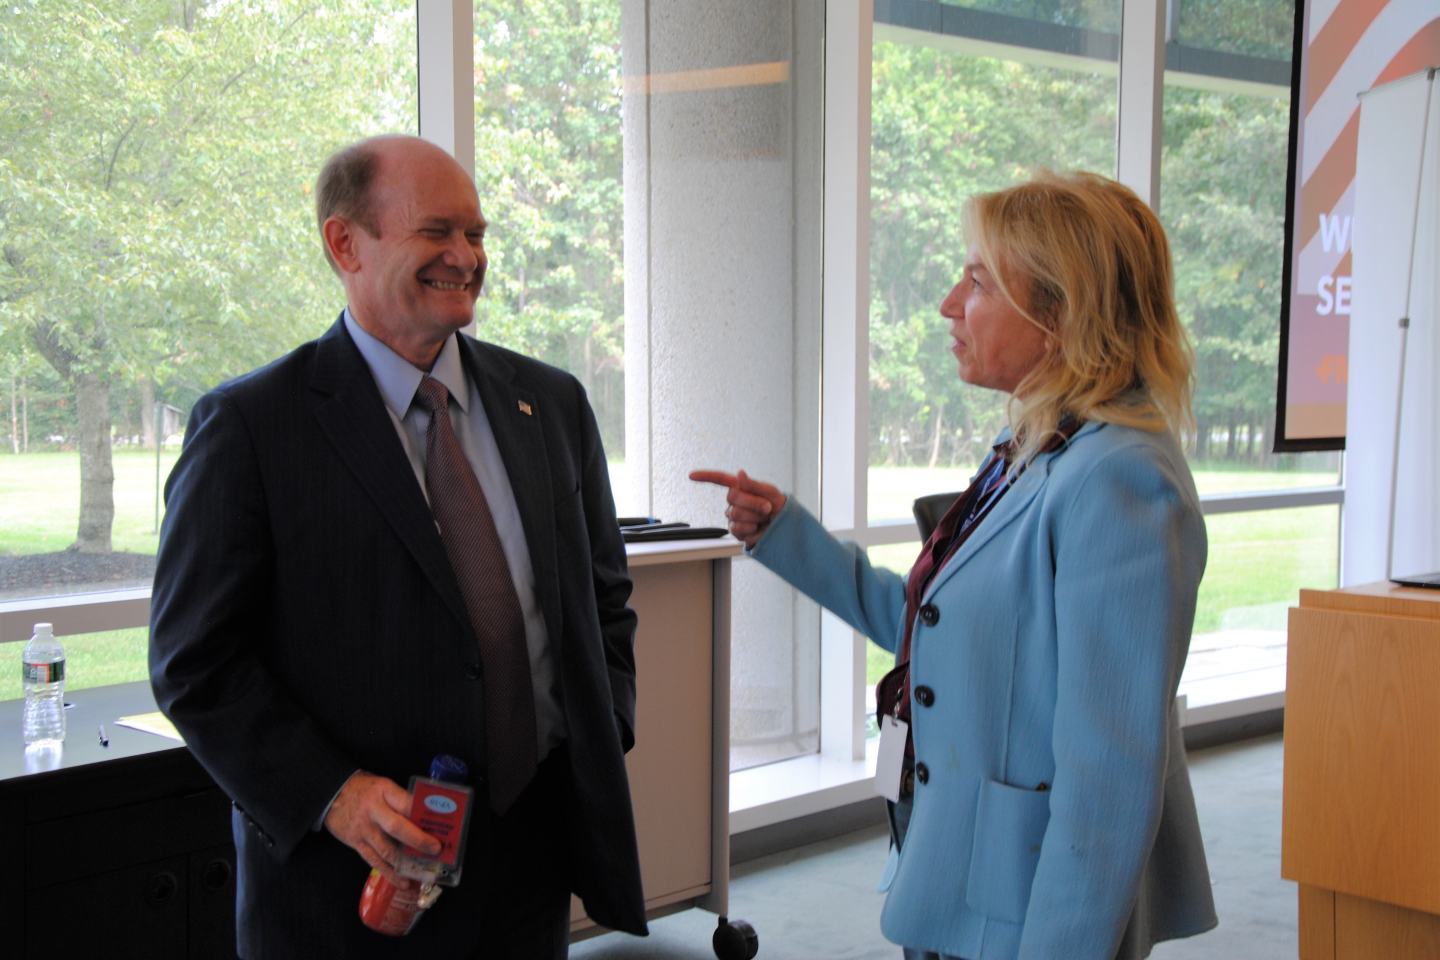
969	96
548	164
1259	561
1223	159
164	155
156	166
964	98
961	103
653	183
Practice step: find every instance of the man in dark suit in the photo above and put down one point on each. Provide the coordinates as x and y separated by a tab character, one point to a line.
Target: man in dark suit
394	542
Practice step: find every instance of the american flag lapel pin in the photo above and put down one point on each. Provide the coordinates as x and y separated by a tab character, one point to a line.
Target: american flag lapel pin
525	408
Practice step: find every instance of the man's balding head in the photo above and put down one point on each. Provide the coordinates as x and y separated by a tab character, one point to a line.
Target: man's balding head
345	185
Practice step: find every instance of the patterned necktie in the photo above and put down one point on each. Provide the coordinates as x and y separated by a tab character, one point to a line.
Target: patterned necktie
467	529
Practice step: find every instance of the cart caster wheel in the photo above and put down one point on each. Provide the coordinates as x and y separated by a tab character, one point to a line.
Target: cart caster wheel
735	940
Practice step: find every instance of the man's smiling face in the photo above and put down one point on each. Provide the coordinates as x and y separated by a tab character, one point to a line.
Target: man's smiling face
417	280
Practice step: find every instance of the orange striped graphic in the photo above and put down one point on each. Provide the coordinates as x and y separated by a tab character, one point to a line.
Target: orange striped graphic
1330	180
1336	171
1423	50
1369	42
1334	42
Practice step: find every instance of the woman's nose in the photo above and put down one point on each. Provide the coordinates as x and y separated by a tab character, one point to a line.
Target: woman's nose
952	306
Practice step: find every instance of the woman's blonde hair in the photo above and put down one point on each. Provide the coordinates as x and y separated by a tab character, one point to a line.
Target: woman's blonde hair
1082	257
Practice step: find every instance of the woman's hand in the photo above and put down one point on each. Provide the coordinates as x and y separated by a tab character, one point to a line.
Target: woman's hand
752	503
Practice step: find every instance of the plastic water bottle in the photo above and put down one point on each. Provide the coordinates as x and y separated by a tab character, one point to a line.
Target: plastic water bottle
44	677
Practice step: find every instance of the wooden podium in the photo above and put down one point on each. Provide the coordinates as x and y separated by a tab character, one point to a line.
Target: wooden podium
1361	829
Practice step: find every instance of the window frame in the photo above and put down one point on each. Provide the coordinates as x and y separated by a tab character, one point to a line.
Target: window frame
445	71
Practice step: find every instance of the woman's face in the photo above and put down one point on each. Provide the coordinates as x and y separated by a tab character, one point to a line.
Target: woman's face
994	343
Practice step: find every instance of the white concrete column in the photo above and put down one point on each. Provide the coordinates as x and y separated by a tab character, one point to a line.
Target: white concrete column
722	167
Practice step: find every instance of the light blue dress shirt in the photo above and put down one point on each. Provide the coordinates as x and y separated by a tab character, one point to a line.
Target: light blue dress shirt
397	381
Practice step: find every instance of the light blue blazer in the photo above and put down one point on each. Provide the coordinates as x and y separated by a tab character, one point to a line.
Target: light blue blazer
1063	626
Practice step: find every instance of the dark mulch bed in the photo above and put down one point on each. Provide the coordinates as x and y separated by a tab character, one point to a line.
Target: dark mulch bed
47	574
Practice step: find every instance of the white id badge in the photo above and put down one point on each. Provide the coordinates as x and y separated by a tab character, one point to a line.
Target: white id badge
890	759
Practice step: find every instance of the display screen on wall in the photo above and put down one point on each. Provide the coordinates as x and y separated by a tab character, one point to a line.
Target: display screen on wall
1342	49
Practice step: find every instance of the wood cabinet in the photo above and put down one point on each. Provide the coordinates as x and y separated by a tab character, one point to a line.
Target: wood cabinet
1361	833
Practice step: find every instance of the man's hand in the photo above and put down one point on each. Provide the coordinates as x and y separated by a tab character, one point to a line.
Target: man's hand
369	816
752	503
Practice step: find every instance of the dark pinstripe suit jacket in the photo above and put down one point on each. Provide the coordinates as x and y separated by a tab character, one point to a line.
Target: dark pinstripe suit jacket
305	623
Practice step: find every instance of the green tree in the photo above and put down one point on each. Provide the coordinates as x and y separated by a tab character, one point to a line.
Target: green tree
155	163
548	156
944	127
1223	203
947	125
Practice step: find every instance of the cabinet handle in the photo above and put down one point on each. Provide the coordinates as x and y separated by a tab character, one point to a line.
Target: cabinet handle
161	888
216	874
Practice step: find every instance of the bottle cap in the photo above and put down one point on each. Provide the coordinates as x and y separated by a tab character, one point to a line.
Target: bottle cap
446	767
44	628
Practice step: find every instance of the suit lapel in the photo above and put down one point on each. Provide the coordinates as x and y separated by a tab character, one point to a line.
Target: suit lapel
1010	506
353	417
515	416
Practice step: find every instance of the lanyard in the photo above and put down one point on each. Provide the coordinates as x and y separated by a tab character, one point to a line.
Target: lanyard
949	535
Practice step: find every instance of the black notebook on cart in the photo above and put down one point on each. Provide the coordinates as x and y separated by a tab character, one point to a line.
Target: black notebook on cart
650	529
1428	580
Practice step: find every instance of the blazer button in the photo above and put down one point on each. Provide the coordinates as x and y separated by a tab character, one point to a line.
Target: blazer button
924	696
929	615
922	773
472	671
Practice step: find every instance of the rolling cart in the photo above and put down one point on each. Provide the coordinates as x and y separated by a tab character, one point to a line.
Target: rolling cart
680	767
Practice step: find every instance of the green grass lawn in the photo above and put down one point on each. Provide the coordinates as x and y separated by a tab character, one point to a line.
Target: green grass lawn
40	500
39	510
1257	560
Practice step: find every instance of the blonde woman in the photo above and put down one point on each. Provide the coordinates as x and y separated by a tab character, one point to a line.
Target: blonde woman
1044	808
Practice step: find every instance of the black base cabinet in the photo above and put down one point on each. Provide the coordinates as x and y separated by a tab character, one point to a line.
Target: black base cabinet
117	852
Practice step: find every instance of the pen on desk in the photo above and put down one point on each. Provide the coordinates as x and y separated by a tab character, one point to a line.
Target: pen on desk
104	740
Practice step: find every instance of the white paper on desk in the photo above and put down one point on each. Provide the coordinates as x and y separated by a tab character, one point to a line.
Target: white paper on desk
890	758
155	723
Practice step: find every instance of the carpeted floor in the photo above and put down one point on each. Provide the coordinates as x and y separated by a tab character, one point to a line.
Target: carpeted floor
818	902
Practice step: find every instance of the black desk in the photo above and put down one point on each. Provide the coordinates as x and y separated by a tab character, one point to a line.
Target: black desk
119	851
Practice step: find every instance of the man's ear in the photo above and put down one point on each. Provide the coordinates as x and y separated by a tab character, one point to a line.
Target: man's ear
340	236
